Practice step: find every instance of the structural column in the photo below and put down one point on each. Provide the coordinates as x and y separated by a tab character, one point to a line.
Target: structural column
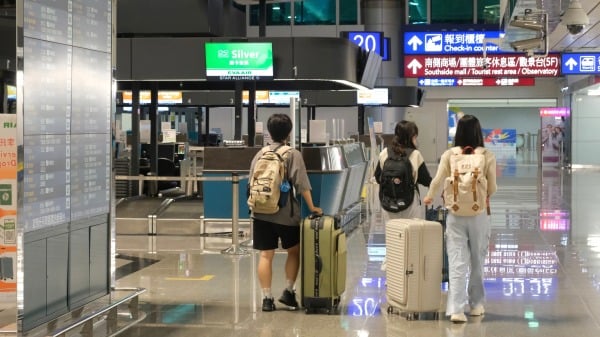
386	16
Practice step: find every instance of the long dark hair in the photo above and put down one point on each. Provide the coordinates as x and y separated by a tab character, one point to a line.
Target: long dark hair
403	136
468	132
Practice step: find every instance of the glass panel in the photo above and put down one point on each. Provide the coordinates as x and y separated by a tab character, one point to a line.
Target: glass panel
348	12
455	11
314	12
278	14
488	11
417	12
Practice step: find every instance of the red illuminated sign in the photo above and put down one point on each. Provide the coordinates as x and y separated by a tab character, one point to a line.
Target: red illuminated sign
501	65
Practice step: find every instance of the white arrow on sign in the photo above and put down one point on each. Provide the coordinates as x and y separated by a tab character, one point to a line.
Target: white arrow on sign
414	65
571	63
415	42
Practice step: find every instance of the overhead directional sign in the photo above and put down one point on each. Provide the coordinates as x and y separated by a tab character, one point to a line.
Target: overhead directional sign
500	65
580	64
477	82
450	42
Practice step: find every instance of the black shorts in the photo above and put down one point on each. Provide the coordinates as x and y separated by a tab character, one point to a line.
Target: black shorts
265	235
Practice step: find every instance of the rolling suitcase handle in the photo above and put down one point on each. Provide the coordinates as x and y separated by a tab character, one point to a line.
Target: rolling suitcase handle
316	224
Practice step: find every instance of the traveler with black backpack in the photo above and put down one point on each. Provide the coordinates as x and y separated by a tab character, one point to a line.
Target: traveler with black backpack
400	169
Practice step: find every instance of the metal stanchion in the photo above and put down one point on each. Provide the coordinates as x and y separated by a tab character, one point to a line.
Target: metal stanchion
250	242
235	248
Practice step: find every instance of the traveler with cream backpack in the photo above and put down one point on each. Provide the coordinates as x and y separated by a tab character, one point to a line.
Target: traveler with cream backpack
467	173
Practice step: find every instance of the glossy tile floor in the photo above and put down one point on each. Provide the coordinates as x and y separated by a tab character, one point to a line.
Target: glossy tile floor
542	274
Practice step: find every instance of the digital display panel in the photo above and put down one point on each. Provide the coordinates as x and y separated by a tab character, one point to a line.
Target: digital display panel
265	97
92	21
376	96
90	175
11	92
46	181
239	60
66	111
164	97
282	97
91	98
47	100
47	20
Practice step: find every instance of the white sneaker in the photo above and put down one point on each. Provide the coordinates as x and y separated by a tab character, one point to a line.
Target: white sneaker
458	318
477	311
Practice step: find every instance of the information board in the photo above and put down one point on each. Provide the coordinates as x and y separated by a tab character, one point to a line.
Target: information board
499	65
239	60
91	94
90	175
477	82
46	188
92	20
66	111
451	42
48	96
47	20
580	64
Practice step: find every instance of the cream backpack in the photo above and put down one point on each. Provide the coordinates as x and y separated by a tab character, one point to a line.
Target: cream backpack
465	190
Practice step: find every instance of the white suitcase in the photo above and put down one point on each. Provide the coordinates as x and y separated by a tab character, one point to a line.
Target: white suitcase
413	266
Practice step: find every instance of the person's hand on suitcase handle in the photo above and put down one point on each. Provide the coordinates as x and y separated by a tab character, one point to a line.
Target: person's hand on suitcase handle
309	202
316	210
427	200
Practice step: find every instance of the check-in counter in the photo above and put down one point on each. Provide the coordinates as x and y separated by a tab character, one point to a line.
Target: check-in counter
222	162
354	155
328	173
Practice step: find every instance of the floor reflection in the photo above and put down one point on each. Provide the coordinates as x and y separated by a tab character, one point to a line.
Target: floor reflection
542	274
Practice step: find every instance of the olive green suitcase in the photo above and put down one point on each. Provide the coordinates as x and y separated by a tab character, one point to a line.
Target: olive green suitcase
323	263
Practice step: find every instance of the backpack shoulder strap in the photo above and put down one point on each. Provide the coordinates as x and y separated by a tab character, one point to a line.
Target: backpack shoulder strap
456	150
390	152
282	149
480	150
265	149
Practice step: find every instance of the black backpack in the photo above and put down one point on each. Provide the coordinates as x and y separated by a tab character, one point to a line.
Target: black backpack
396	183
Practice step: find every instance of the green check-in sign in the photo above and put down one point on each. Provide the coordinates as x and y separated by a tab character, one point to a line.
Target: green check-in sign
239	60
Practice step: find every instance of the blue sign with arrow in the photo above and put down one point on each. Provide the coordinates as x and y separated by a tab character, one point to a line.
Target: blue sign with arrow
580	64
441	43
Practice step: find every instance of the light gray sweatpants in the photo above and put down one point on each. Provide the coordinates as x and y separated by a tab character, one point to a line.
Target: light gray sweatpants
467	241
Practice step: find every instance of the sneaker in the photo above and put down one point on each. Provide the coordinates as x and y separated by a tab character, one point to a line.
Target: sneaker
268	304
477	311
289	298
458	318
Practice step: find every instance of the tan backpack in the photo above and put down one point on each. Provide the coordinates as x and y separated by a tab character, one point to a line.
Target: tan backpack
264	186
465	190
